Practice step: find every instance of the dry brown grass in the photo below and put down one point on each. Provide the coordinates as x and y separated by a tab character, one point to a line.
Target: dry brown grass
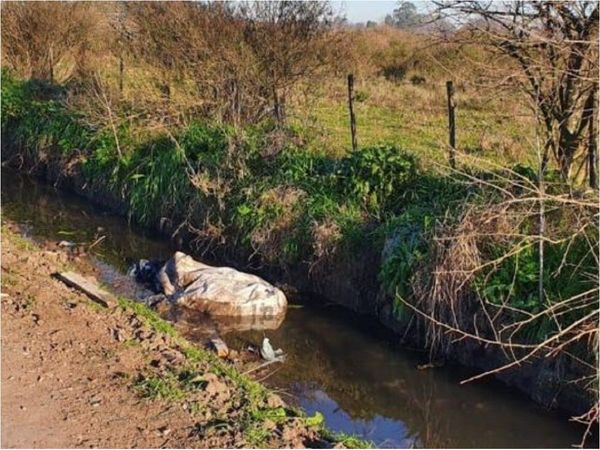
280	203
453	310
326	236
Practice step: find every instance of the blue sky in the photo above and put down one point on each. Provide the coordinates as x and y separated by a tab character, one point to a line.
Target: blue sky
363	10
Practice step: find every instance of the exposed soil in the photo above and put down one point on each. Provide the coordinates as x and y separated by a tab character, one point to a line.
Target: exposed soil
72	371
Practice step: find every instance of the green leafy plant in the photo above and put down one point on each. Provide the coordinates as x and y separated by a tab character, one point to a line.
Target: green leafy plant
377	176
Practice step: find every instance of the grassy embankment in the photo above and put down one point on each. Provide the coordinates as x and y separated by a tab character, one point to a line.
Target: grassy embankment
279	196
415	117
400	98
254	401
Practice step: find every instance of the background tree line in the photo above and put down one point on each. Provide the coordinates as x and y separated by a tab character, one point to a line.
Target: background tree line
243	58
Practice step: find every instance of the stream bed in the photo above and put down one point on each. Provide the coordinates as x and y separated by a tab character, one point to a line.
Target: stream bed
345	366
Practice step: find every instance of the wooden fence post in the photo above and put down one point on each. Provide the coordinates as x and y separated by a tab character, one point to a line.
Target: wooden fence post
351	108
451	124
51	63
121	74
592	144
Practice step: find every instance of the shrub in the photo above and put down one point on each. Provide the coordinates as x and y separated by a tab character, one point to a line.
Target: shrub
361	96
417	80
570	270
410	234
377	176
35	119
393	72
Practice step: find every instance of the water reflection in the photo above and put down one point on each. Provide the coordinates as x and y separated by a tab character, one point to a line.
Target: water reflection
190	319
336	363
49	214
363	385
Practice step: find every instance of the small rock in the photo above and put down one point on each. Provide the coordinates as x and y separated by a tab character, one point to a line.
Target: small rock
269	424
164	431
142	335
425	366
220	347
215	386
291	436
117	335
275	401
172	356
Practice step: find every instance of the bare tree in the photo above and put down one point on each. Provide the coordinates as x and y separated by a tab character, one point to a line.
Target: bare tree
165	36
204	43
473	288
243	58
555	46
292	41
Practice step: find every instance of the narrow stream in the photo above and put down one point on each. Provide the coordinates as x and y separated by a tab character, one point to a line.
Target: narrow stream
339	364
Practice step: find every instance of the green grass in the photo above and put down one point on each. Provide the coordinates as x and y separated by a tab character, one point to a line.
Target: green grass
19	241
8	279
216	178
166	386
415	118
149	316
256	436
348	441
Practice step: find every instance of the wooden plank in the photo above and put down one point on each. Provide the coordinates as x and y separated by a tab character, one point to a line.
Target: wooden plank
88	287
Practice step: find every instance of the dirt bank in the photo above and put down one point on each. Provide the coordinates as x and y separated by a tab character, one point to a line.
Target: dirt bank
78	375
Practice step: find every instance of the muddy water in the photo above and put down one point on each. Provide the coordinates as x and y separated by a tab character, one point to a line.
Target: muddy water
341	365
